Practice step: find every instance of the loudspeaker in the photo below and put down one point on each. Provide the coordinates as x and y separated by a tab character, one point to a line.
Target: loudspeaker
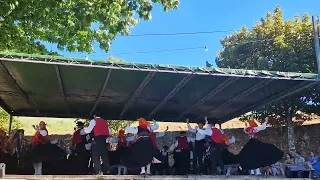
297	171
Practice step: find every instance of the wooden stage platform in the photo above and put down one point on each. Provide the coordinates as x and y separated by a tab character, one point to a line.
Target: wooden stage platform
134	177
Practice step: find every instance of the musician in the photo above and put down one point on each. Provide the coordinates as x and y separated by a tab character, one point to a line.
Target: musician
101	132
217	144
182	153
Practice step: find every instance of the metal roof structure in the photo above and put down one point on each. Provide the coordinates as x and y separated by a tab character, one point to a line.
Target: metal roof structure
54	86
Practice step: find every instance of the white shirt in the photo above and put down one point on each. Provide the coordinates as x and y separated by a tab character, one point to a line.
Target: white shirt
199	136
175	145
43	132
92	123
258	128
134	130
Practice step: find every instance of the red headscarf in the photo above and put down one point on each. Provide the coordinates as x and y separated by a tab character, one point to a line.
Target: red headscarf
252	125
143	123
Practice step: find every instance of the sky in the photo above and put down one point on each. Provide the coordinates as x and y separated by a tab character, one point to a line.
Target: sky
193	16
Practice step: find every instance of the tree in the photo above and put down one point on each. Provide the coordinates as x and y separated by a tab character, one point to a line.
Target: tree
276	45
74	25
5	121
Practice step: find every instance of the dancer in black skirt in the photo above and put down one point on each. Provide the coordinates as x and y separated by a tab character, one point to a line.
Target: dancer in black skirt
42	149
256	154
143	151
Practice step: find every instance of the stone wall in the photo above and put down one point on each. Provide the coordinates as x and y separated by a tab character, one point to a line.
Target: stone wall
307	138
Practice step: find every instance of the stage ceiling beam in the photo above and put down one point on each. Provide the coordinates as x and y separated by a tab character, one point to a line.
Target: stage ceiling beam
300	87
180	85
136	93
62	91
103	88
215	91
238	97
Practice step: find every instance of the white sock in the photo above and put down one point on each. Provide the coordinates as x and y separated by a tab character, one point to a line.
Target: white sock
40	168
148	169
143	170
35	167
252	172
258	171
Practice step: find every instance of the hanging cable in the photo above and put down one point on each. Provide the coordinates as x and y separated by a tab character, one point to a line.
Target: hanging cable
179	33
163	50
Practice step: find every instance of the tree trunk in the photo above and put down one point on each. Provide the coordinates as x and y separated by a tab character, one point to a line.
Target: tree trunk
291	137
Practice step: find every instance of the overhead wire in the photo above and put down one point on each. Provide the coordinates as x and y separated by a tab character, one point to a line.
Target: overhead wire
159	51
178	33
185	49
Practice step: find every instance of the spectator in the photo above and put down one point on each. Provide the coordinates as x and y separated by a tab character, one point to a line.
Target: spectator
276	169
288	161
312	160
299	160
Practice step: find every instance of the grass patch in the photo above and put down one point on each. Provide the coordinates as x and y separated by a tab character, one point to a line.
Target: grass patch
54	125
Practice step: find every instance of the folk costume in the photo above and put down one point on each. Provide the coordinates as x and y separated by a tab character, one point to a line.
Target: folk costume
100	131
42	150
199	147
142	152
182	153
80	156
217	145
256	154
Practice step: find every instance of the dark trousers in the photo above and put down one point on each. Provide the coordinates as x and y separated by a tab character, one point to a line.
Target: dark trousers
99	150
216	157
199	153
183	164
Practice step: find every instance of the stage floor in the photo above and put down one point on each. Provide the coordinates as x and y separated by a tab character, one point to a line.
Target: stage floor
134	177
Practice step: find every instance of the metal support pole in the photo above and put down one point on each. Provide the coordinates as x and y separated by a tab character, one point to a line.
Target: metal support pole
316	40
10	124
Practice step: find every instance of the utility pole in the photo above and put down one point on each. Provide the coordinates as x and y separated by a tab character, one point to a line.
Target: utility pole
315	21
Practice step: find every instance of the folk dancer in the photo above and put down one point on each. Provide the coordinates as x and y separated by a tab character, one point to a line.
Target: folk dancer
144	149
252	130
101	132
182	153
157	160
81	148
199	148
216	147
256	154
43	150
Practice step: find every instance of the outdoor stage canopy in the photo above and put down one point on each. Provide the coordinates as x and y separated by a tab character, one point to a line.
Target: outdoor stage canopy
54	86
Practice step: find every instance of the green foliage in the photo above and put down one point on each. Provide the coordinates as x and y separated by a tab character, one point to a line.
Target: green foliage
272	44
26	24
115	60
275	45
5	121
